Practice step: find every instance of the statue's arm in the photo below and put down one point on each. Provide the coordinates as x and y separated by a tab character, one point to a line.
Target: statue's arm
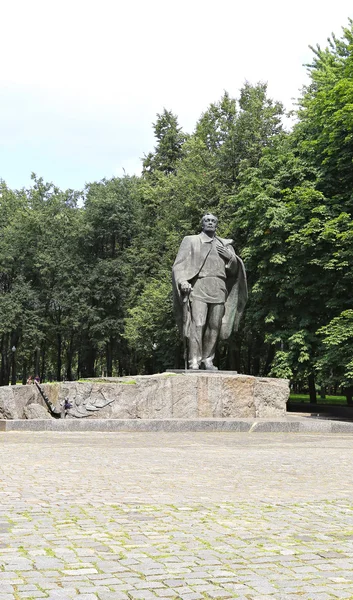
179	265
228	254
232	264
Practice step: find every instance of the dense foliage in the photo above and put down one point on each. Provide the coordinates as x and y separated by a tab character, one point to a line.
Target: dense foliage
85	283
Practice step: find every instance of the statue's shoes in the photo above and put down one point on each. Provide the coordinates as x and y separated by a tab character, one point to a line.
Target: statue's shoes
194	366
208	364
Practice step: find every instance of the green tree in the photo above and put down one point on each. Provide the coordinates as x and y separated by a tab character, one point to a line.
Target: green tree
336	360
110	218
325	130
169	148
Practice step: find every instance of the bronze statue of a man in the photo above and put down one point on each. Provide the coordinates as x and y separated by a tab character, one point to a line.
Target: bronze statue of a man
210	292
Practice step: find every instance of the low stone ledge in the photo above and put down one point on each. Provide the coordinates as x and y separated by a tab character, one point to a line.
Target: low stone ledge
268	426
295	425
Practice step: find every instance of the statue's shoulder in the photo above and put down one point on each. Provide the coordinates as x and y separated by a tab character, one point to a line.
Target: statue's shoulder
191	238
226	241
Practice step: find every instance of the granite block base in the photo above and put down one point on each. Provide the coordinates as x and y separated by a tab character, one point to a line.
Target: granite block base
198	395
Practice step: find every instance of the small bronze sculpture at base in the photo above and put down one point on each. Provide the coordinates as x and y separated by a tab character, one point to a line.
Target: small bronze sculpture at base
210	293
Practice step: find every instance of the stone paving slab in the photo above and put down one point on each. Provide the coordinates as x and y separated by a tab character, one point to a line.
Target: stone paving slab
290	424
183	516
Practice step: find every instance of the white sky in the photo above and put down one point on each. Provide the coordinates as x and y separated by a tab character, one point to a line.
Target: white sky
81	81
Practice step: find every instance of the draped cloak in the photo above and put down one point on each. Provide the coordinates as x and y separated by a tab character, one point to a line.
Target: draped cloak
190	259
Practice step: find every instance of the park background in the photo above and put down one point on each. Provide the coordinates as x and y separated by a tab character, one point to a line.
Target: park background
85	275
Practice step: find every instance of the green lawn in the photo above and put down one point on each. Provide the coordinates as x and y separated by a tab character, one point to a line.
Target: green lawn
327	400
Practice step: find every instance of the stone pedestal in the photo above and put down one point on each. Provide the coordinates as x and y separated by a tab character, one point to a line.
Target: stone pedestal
197	395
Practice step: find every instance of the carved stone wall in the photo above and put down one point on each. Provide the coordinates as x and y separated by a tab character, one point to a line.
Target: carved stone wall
165	396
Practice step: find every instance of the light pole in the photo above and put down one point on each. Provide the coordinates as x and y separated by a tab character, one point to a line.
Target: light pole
13	365
154	348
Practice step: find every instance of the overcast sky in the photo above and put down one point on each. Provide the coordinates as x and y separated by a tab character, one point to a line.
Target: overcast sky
82	81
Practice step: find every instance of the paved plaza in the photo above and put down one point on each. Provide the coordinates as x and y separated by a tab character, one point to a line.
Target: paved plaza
184	516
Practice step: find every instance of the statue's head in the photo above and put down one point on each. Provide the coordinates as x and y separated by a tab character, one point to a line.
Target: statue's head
209	223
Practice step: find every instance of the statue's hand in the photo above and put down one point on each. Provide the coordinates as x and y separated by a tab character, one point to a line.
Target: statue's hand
185	287
225	252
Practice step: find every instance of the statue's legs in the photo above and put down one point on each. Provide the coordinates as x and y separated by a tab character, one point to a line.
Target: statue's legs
205	325
197	326
210	336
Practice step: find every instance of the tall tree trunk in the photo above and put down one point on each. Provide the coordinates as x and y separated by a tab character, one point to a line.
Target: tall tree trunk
312	389
3	361
13	368
36	361
349	395
86	358
269	358
256	365
257	345
69	375
24	372
5	364
79	358
233	354
43	362
58	359
14	342
91	359
249	357
109	356
70	353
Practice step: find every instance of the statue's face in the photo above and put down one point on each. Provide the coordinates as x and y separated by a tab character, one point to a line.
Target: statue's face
209	223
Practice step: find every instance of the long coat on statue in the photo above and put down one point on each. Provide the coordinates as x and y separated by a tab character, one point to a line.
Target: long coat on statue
190	259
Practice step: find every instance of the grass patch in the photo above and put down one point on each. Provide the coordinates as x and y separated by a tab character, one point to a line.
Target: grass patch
339	400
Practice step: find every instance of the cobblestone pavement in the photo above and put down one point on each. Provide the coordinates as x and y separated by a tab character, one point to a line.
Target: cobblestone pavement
176	516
